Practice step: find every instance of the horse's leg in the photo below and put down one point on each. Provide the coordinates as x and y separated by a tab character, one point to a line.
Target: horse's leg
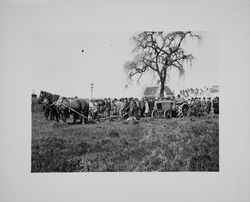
80	119
86	114
85	120
74	115
50	114
53	113
57	117
63	114
64	119
57	114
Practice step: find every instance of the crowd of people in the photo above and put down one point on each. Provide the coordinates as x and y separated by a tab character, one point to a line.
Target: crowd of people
134	107
126	107
201	106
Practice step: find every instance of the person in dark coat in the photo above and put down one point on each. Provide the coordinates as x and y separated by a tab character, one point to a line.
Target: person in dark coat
133	109
151	106
96	111
216	105
108	106
138	104
136	109
203	105
209	105
142	106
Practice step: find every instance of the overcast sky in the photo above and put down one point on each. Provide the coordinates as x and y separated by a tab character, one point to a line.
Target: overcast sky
59	65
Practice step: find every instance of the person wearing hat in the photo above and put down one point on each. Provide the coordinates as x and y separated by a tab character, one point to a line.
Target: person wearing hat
146	107
191	106
142	106
209	105
138	107
96	111
108	106
179	100
203	105
151	105
131	107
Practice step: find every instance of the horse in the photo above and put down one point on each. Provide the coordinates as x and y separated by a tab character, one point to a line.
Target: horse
50	109
66	106
75	107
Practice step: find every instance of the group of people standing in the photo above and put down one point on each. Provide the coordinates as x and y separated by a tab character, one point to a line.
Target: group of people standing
126	107
201	106
134	107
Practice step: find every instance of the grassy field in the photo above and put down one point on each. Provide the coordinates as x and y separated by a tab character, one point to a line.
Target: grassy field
178	144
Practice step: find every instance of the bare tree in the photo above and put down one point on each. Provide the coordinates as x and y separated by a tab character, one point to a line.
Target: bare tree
159	52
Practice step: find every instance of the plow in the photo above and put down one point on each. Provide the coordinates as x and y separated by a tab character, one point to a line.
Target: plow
93	120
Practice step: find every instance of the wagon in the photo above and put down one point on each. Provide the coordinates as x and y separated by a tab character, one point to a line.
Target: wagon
181	110
163	109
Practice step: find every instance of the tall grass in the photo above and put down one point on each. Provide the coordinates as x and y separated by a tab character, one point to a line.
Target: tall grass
150	145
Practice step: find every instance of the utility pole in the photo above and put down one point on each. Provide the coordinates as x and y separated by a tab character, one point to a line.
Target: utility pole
91	90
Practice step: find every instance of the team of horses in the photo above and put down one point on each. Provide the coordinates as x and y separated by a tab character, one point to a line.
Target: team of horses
59	107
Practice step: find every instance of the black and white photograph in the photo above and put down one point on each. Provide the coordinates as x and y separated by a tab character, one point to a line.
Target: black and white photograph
125	102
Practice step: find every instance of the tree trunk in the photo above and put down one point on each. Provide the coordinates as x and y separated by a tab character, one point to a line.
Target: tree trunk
162	80
162	88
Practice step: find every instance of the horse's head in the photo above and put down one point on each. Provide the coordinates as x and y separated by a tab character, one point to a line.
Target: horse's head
42	97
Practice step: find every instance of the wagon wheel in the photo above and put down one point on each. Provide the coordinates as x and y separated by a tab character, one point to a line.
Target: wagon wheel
185	110
168	114
156	114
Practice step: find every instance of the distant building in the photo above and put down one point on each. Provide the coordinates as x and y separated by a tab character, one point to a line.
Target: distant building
154	91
